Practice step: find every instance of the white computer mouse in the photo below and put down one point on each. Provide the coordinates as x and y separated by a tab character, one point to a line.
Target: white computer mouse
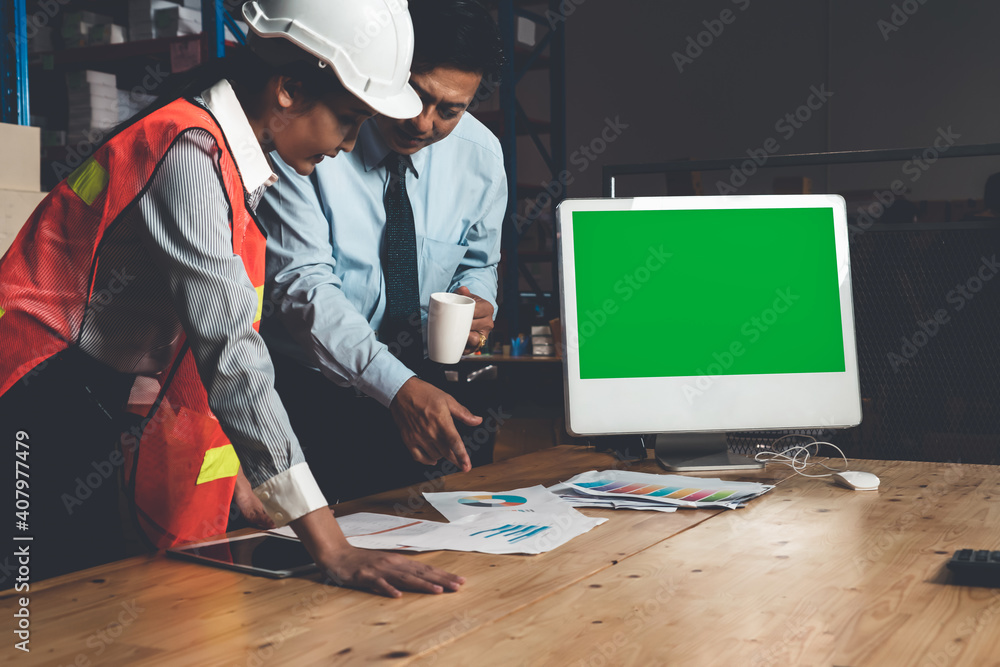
857	480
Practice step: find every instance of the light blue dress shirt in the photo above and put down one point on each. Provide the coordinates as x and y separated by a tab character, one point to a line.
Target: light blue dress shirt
325	240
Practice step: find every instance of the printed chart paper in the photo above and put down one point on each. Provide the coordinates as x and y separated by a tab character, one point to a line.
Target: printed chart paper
636	488
367	530
455	505
508	532
496	533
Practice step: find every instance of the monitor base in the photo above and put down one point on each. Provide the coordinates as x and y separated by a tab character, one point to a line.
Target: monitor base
691	452
622	447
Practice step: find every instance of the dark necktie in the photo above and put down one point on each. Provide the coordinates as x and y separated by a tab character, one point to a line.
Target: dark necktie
400	329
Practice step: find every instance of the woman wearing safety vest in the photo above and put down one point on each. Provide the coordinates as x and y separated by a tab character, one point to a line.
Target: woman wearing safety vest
138	281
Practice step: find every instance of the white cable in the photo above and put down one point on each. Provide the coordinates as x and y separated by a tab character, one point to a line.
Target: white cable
797	457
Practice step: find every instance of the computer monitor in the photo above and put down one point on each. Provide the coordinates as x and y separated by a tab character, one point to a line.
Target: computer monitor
689	317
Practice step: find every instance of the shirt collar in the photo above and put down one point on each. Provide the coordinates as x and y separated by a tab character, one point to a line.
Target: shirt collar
250	159
373	149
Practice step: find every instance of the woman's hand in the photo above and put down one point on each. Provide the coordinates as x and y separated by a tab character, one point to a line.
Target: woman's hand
376	571
388	574
249	504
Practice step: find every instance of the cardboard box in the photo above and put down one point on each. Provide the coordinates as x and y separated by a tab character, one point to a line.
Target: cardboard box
108	34
16	207
526	31
76	27
93	18
141	11
140	18
21	167
96	118
177	21
131	103
84	78
82	103
138	32
53	138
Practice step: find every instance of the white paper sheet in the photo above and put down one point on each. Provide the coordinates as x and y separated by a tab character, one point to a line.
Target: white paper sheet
508	532
671	490
455	505
495	533
367	530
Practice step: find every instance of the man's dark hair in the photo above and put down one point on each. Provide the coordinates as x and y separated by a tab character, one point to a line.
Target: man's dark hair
456	33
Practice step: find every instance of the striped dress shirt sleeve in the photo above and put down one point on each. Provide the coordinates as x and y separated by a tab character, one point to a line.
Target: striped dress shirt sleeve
182	224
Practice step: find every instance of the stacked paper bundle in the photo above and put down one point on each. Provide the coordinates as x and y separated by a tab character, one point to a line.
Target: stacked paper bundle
131	103
623	489
176	21
140	17
541	341
523	521
93	104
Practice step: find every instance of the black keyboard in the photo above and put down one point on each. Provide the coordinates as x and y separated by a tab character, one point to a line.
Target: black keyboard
976	566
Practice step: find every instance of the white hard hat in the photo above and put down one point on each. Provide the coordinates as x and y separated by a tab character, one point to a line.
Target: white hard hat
368	43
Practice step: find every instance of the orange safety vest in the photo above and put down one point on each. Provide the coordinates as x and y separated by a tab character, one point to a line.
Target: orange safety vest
182	472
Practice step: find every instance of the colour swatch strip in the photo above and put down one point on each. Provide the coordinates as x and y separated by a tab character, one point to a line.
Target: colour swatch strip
688	494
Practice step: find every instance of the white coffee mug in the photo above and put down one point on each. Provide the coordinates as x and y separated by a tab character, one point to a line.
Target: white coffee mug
449	320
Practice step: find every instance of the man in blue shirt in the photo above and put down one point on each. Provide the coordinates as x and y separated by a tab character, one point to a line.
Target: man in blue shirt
333	269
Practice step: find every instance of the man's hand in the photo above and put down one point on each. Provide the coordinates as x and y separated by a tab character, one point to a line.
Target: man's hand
376	571
482	320
249	504
425	416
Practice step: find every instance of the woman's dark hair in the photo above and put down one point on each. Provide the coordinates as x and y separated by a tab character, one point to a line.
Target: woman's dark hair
249	74
456	33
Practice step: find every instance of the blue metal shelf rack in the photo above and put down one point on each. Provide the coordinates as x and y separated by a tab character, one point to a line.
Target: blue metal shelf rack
14	99
515	122
14	103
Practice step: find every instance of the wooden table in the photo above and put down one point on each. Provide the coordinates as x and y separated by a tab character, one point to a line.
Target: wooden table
809	574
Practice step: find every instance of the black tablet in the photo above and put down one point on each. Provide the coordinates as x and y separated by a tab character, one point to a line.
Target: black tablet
262	554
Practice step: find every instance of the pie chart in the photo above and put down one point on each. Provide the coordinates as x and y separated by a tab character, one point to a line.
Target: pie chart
492	501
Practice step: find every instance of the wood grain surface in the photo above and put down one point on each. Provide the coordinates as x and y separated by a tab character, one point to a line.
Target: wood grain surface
809	574
154	610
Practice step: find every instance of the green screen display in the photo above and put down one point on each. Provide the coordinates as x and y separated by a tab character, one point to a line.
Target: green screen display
707	292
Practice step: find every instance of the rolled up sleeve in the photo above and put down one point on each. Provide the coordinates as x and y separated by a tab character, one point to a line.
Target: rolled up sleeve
309	298
184	225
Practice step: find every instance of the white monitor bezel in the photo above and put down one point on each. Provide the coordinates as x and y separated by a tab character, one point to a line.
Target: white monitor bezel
695	404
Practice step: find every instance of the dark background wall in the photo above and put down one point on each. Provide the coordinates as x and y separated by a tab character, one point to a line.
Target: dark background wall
890	88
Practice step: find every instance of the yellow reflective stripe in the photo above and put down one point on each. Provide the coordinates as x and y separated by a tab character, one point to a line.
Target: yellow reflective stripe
88	180
2	311
260	303
220	462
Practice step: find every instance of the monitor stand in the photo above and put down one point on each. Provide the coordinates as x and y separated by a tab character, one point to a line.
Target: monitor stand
688	452
623	447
